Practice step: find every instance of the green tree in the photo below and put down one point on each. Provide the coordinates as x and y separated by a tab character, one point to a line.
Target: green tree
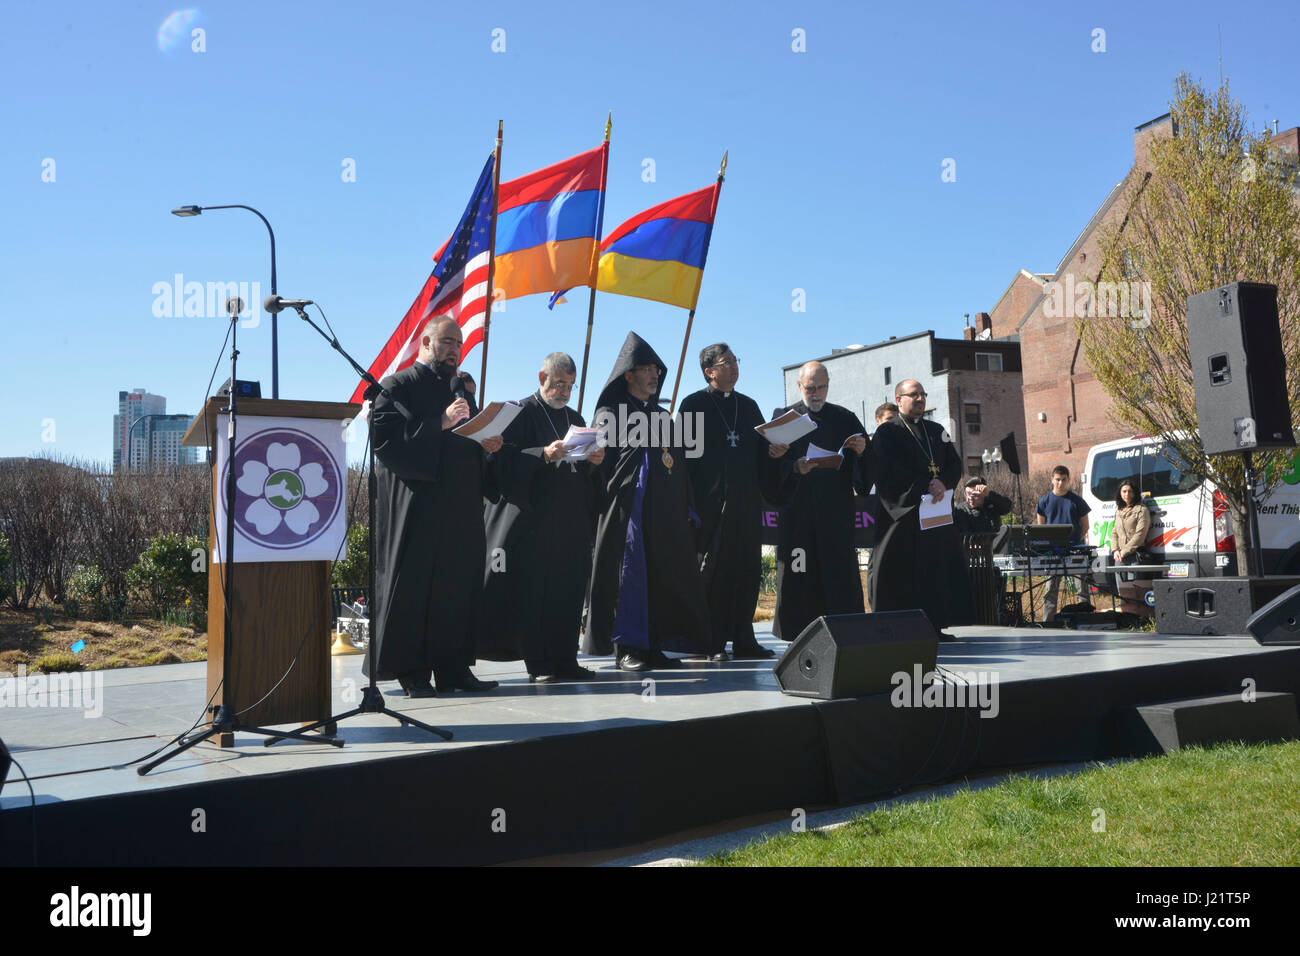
1216	205
353	569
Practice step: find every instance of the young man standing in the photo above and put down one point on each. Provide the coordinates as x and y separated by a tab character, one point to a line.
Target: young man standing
1061	506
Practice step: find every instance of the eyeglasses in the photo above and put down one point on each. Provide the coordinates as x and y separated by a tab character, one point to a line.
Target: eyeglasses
913	395
734	360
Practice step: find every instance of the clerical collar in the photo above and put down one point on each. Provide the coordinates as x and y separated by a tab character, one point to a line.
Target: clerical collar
718	391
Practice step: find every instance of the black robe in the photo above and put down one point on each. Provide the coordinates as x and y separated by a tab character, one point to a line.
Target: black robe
544	526
645	590
911	568
817	518
726	481
429	544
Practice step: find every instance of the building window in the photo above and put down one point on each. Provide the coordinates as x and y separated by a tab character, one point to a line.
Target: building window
988	361
971	412
974	465
889	374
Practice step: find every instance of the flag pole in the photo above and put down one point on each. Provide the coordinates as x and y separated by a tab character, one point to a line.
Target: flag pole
492	267
690	319
600	222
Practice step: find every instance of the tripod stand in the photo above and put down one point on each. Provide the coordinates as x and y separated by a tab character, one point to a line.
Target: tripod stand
224	718
372	700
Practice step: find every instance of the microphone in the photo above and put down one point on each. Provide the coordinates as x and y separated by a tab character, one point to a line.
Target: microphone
274	304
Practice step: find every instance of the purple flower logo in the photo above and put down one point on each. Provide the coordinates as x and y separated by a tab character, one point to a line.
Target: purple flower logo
287	488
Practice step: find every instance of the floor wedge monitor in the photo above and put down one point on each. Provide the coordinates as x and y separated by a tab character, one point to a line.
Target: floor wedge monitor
852	655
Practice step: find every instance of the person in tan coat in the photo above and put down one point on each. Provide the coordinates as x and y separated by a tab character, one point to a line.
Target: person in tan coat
1132	523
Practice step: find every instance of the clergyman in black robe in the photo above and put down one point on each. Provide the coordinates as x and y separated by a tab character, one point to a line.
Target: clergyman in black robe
429	542
540	532
816	561
911	567
646	595
729	501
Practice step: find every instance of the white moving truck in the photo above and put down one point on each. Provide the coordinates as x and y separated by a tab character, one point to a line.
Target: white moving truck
1191	529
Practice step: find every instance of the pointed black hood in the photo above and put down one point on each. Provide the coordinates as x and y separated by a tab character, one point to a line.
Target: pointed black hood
636	351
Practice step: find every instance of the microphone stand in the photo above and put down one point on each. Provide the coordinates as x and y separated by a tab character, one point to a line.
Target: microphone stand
224	718
372	700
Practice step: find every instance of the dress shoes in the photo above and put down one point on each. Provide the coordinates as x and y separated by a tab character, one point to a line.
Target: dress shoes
417	687
751	652
463	681
719	657
575	671
544	678
632	661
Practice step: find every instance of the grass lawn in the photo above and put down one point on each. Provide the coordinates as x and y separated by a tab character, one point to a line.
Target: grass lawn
1233	805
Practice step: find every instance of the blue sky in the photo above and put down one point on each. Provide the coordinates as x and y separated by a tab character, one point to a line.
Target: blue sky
834	185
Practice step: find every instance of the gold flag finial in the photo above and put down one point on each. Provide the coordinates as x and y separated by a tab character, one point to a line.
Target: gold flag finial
609	124
722	170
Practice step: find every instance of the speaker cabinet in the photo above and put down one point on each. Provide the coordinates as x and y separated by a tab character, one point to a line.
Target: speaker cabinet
1239	369
1213	605
1278	621
852	655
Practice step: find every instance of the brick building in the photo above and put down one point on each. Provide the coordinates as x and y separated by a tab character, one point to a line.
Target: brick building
973	384
1066	411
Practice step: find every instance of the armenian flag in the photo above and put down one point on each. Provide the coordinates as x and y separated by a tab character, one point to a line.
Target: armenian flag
659	254
548	226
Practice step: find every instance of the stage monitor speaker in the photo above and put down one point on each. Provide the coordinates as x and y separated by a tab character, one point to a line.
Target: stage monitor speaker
1215	606
852	655
1278	621
1010	456
1239	368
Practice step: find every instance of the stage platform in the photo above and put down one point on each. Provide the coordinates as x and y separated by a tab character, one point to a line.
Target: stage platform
538	770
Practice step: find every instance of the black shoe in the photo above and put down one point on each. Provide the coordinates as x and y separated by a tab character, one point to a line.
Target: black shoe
632	661
464	681
543	678
751	652
575	671
718	657
417	687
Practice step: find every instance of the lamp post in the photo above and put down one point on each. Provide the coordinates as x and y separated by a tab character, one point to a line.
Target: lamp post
128	438
185	212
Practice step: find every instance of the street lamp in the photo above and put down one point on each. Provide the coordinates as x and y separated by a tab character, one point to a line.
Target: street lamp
128	438
185	212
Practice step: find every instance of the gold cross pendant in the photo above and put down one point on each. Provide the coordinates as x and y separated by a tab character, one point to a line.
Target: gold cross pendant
934	470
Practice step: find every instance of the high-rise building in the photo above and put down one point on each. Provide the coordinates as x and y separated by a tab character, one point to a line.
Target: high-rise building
144	434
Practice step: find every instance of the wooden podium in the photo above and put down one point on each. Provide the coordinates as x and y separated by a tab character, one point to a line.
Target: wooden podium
276	605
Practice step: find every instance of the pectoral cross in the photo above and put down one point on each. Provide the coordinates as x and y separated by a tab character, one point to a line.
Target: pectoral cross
934	470
733	438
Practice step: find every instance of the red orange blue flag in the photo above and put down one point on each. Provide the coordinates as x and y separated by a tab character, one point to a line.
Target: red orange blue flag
659	254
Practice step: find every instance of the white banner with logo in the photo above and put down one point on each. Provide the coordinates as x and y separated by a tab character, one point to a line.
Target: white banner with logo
290	488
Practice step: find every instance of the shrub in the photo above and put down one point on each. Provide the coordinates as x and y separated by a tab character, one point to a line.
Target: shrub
353	569
164	578
86	597
6	568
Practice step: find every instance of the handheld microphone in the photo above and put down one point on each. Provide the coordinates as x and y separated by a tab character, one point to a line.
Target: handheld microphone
274	304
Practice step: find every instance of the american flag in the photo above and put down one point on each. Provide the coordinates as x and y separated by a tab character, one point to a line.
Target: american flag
457	288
